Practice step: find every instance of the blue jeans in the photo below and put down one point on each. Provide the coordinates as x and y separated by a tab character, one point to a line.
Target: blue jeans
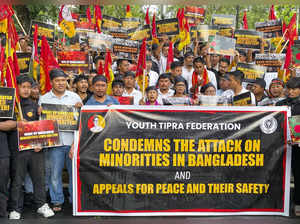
57	157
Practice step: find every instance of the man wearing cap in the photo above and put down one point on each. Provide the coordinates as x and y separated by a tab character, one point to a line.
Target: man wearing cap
100	97
57	156
129	83
276	93
258	89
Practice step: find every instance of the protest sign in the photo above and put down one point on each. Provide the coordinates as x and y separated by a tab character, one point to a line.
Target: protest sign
270	28
203	32
67	116
181	161
272	61
23	62
221	45
251	71
243	99
125	100
73	61
223	20
194	15
130	23
294	124
37	134
7	101
249	39
140	33
167	26
109	22
44	29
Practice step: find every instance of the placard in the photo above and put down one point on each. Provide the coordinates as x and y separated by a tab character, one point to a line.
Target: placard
203	32
248	39
221	45
167	26
243	99
294	124
44	29
270	28
73	61
130	23
140	33
109	22
34	134
24	62
272	61
251	71
67	116
223	20
7	101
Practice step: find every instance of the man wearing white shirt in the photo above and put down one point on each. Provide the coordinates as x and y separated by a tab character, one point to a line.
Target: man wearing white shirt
164	84
236	88
129	83
187	69
57	156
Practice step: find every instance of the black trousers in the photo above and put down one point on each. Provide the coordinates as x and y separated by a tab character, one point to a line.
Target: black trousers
34	163
296	172
4	178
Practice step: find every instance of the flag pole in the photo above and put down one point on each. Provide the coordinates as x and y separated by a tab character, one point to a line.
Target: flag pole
143	92
284	46
20	110
20	24
281	39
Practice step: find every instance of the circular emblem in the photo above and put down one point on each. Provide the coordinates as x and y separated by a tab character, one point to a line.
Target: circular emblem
268	125
96	123
29	114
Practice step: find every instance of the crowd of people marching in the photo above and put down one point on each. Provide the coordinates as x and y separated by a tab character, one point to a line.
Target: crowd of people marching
194	78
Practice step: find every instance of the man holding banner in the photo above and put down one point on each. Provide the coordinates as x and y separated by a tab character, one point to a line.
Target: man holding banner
57	156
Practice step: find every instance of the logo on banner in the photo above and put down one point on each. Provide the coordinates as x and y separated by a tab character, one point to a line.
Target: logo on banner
96	123
268	125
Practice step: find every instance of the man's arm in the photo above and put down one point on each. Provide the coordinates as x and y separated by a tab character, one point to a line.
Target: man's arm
8	125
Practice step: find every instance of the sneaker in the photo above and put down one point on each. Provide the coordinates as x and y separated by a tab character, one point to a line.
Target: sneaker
14	215
297	210
45	211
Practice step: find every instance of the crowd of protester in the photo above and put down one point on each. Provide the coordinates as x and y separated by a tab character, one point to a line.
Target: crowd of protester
38	172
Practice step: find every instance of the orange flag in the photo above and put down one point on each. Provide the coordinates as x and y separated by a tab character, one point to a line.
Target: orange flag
154	34
128	12
142	80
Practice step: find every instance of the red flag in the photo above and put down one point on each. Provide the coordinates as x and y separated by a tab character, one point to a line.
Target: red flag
88	15
154	35
147	20
170	58
288	56
245	22
142	80
100	68
47	63
98	18
141	66
128	12
272	13
292	29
